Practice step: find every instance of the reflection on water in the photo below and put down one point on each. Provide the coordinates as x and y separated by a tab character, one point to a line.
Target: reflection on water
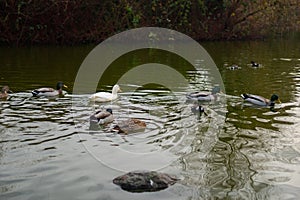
47	150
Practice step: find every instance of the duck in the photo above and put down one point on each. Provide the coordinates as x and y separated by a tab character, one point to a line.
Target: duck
130	125
198	109
106	96
255	64
102	117
4	92
204	96
234	67
259	100
49	92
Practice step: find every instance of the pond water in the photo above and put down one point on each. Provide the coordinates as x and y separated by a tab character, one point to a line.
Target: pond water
48	151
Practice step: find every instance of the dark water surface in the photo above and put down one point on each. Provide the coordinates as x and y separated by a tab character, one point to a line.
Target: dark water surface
236	152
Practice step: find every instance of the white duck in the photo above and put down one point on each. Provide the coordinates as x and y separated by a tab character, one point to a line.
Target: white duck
106	96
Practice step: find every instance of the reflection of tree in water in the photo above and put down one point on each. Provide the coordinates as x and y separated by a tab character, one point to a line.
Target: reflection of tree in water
230	172
224	172
3	150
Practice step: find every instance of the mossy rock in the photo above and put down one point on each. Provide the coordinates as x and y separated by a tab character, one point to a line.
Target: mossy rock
144	181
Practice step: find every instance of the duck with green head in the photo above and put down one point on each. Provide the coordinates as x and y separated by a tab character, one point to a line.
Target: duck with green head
261	101
49	92
102	117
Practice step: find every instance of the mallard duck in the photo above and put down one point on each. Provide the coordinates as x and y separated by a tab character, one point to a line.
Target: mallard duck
106	96
4	92
102	117
130	126
198	109
260	101
204	96
234	67
254	64
49	92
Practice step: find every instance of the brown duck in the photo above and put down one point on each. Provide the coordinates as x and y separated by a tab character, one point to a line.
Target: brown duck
131	125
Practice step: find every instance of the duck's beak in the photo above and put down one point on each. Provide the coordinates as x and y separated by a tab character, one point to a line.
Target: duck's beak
65	86
119	90
9	91
279	101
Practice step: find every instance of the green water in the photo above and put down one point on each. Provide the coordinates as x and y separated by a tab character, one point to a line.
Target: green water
236	152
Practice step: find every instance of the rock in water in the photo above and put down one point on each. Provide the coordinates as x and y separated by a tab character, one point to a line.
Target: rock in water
144	181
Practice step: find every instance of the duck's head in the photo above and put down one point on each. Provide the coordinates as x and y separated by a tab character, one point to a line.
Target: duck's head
116	89
118	129
6	90
109	110
274	98
216	90
60	85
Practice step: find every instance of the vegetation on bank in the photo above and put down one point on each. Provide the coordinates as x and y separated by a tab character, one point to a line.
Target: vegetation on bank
81	21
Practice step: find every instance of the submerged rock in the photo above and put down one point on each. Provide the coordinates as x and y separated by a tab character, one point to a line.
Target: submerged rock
144	181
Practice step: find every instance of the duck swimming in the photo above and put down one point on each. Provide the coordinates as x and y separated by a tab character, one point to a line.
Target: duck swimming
130	126
254	64
233	67
261	101
4	92
204	96
198	109
49	92
102	117
106	96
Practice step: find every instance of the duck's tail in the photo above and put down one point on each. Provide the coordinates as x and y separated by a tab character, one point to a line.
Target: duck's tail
92	97
35	93
244	96
93	119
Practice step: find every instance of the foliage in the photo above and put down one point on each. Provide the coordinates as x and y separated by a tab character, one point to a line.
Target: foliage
81	21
